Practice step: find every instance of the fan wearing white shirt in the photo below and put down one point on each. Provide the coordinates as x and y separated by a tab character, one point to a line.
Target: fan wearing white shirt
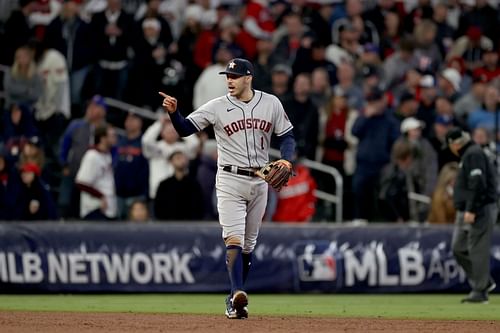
95	178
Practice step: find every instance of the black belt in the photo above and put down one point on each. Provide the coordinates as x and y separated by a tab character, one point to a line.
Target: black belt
239	171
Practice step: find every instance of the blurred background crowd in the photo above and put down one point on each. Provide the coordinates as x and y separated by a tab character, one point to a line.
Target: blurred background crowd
371	88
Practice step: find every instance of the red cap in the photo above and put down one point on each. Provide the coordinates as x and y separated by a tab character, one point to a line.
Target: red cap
474	33
31	167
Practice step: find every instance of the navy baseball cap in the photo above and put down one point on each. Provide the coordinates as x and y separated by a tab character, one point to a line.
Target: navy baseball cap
444	119
99	100
238	66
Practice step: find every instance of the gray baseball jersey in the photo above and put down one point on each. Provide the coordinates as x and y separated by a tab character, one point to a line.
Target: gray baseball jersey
243	130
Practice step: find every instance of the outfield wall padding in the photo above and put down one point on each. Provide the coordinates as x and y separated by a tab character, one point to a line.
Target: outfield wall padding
190	257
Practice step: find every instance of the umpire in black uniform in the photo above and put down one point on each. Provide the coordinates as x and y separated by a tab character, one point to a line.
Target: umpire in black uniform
475	199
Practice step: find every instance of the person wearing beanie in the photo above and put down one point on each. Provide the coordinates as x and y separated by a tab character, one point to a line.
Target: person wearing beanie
33	201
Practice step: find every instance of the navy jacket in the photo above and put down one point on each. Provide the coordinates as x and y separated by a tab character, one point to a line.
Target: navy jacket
376	136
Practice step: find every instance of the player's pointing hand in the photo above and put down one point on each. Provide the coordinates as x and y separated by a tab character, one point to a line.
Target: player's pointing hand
169	102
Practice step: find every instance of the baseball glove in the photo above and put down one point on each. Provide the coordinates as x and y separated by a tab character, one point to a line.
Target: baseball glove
276	173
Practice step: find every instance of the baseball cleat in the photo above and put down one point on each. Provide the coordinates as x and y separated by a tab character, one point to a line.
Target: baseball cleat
236	307
476	297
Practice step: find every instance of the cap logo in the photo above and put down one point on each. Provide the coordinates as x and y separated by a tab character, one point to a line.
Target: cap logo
232	65
248	72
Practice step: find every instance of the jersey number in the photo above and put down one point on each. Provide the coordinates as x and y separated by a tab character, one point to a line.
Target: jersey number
261	143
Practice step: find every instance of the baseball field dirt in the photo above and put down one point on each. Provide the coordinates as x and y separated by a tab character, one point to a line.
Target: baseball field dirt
56	322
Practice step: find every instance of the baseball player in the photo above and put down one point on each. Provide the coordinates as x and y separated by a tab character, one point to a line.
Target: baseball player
243	121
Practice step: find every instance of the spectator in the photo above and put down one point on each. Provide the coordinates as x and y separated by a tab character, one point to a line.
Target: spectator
17	30
263	64
449	84
427	51
370	78
377	131
407	107
257	23
22	83
354	94
95	178
354	10
396	182
77	138
7	175
441	126
337	142
158	151
152	11
422	11
320	87
369	56
489	113
304	116
70	35
151	60
391	37
471	101
489	69
482	16
481	136
427	104
52	109
112	33
296	202
442	210
348	48
210	84
280	81
18	124
377	14
229	30
33	201
185	50
311	57
470	46
459	64
398	64
445	32
32	152
138	212
425	165
318	21
288	46
131	169
179	197
205	175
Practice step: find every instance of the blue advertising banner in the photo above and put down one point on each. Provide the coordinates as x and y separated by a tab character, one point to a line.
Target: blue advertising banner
190	257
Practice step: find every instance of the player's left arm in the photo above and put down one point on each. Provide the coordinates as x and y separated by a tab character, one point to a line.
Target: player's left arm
283	129
287	145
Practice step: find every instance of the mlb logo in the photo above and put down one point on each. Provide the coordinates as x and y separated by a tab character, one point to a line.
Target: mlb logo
318	267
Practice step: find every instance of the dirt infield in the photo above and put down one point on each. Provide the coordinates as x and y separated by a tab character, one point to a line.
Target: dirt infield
55	322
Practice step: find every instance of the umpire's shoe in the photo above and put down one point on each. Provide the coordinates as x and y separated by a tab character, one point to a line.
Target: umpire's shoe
236	307
491	286
480	297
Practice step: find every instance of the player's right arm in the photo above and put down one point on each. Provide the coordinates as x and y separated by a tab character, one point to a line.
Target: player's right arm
182	125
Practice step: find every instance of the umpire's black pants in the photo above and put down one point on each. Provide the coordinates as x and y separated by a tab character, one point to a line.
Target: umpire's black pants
471	245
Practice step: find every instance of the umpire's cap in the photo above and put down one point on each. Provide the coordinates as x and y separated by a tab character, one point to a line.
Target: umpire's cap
238	66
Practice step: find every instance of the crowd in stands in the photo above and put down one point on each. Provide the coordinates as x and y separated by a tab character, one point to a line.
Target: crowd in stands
371	87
